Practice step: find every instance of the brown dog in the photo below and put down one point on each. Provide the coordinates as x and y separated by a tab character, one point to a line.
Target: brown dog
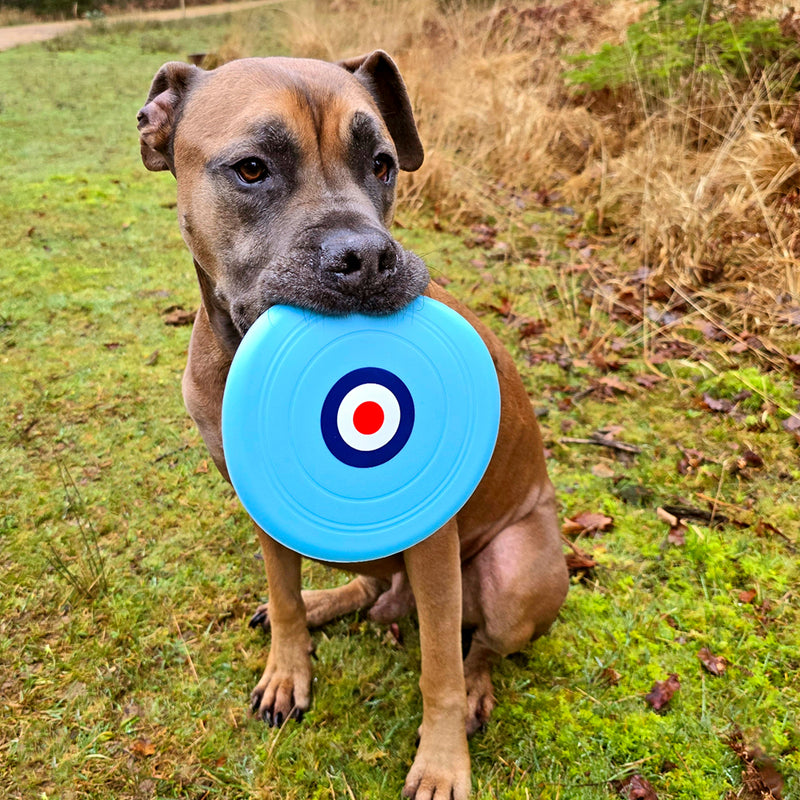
286	173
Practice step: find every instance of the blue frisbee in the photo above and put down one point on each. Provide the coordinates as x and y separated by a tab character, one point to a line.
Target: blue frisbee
352	438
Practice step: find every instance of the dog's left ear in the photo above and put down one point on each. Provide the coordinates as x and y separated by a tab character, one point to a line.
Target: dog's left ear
381	78
159	116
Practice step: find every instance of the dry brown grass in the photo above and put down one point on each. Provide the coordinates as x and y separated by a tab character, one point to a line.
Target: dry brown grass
707	197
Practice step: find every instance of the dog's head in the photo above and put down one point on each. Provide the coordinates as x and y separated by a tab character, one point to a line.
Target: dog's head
286	172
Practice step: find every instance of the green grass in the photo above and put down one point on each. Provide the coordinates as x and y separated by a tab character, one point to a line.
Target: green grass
140	691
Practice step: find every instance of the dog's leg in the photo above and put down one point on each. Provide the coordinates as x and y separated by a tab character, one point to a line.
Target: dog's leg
513	589
323	605
285	688
441	768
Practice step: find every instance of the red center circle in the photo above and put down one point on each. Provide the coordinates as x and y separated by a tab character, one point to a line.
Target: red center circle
368	418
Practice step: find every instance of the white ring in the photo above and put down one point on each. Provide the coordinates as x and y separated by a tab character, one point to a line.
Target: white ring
368	392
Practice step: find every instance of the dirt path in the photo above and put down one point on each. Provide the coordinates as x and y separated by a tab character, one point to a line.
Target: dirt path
15	35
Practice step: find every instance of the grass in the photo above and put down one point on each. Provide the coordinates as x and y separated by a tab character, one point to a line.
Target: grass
139	690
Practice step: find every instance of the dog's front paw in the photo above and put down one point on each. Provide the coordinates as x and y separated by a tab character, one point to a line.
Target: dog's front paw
284	692
439	772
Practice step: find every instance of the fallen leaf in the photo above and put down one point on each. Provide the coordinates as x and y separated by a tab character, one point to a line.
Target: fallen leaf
533	327
636	787
716	665
586	522
152	359
747	459
143	748
599	360
503	309
792	424
760	775
677	535
611	676
691	461
721	405
578	561
663	691
671	349
202	467
648	380
175	316
609	384
747	596
602	471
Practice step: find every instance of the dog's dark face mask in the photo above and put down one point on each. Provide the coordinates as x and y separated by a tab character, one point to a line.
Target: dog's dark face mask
286	176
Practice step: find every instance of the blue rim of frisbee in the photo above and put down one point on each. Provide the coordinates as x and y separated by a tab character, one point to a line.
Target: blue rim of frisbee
310	491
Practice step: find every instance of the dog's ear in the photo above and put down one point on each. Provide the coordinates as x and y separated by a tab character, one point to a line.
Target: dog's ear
157	120
381	78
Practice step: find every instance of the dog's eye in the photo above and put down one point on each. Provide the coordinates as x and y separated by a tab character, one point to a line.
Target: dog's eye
251	170
383	168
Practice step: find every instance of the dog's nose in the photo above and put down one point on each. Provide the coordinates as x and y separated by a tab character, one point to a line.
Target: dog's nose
356	259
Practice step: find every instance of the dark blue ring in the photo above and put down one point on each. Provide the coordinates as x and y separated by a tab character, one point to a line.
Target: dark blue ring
330	409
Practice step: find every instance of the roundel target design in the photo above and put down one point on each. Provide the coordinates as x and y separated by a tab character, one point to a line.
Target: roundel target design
352	438
367	417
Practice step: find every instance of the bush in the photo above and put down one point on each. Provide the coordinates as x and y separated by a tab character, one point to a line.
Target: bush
684	49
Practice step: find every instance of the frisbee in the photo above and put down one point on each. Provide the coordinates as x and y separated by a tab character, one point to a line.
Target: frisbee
353	438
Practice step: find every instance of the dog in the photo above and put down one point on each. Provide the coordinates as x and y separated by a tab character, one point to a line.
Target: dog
286	173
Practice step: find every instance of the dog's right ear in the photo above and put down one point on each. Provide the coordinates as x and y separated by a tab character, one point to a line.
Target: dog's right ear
157	119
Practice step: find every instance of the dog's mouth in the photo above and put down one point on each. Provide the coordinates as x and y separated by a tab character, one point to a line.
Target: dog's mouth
344	274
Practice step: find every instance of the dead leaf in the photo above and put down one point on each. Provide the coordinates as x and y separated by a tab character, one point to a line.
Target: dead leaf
649	380
484	236
691	461
202	467
669	349
152	359
586	522
792	425
599	360
176	315
716	665
602	471
504	309
532	327
747	596
720	405
143	748
677	535
760	775
750	459
663	691
609	384
579	561
611	676
636	787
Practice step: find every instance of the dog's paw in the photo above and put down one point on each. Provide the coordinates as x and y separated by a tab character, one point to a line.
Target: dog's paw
282	693
439	772
261	618
480	700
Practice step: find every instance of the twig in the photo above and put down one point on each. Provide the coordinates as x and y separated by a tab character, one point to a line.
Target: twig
170	453
602	441
185	647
